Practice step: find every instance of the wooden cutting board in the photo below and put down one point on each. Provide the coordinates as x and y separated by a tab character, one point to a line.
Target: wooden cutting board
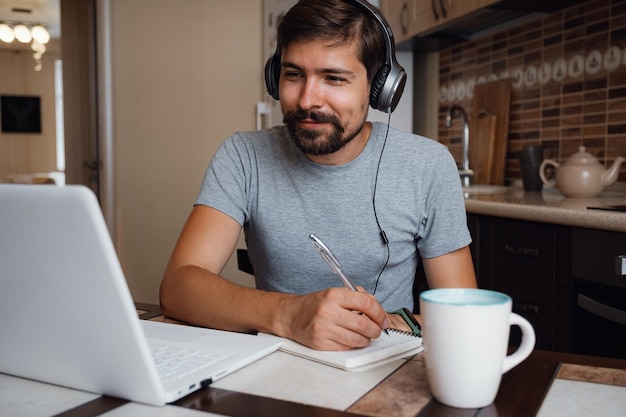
490	158
482	146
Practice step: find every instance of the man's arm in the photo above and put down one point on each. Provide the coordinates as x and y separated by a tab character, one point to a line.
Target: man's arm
193	291
452	270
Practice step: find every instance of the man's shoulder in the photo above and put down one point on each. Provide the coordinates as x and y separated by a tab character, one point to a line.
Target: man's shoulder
256	141
405	142
256	136
258	148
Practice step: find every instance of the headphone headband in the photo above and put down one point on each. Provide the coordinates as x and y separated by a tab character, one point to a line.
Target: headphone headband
388	83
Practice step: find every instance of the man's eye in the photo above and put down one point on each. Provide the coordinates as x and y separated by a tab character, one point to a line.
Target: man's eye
291	74
336	80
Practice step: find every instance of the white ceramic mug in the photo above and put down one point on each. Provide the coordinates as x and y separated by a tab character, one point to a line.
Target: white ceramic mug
466	335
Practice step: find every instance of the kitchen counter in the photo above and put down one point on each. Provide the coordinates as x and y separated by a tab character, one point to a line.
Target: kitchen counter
550	206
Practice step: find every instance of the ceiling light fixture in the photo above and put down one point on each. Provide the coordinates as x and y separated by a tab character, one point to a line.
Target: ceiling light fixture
22	33
37	33
40	34
6	33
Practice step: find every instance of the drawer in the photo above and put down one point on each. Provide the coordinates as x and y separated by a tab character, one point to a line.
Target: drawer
520	285
594	255
540	315
523	230
530	270
534	252
529	307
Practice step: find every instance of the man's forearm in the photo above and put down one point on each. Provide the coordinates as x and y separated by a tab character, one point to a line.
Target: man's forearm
198	297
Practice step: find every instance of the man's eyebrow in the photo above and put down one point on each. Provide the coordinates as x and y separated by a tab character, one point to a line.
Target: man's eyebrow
338	71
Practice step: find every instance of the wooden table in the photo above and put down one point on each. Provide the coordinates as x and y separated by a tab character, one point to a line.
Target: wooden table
521	392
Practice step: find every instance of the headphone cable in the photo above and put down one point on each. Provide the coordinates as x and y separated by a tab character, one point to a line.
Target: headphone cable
383	235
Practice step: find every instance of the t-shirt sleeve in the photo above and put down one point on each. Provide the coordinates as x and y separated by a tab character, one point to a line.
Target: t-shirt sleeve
226	184
445	226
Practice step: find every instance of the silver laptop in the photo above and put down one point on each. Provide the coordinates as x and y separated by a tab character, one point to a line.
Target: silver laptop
67	316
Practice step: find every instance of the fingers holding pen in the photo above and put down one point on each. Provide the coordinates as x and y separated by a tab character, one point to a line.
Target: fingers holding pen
334	319
374	310
360	317
371	308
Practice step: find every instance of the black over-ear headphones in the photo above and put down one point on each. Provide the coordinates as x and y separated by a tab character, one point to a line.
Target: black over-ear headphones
388	83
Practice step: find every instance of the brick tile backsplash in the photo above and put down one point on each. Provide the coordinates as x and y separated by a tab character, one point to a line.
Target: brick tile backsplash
568	72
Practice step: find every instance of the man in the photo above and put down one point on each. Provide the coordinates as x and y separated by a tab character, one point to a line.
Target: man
373	194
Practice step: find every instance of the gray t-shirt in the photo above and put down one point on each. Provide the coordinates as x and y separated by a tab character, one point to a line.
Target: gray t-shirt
279	196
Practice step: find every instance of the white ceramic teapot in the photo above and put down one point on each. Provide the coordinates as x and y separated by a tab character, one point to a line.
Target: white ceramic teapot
582	175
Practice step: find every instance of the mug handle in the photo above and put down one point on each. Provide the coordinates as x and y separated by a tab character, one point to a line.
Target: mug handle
525	348
542	174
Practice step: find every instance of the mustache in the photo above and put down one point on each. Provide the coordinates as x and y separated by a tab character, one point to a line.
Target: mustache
298	115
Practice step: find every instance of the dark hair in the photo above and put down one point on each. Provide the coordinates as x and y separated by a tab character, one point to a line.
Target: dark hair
339	21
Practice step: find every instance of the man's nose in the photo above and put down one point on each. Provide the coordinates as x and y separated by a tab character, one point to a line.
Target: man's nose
311	94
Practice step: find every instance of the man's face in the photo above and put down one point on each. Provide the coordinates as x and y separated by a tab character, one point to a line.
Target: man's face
324	95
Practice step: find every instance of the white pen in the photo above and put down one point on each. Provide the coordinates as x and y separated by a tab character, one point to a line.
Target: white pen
333	263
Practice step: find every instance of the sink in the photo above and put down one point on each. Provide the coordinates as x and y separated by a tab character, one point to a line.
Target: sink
484	189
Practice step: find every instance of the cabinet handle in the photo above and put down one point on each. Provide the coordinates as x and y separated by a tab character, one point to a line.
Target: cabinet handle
404	13
620	265
433	7
444	13
527	308
521	250
601	310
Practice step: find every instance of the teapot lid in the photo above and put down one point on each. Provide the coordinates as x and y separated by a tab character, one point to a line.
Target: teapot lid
583	157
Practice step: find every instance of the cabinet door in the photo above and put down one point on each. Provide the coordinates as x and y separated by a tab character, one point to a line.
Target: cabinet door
430	14
427	14
531	262
400	16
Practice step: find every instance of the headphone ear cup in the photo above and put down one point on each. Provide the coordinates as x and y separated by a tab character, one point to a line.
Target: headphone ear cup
396	81
272	75
377	85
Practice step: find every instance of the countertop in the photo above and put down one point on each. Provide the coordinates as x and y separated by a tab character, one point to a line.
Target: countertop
550	206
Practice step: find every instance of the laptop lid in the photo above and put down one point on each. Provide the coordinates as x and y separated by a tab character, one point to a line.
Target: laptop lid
66	314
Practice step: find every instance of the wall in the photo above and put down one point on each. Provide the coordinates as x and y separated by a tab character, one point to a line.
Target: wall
425	93
78	27
184	76
568	72
26	153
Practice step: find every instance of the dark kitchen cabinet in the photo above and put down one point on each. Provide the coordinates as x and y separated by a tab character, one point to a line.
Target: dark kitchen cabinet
531	262
599	271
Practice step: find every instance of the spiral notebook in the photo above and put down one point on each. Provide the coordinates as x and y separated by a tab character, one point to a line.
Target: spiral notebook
386	348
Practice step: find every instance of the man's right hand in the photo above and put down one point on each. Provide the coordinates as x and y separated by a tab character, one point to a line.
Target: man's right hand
332	319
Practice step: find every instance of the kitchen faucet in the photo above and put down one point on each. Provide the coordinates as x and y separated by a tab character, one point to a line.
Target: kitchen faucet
466	173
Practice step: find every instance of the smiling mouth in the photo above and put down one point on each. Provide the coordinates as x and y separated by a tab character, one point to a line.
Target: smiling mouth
305	117
310	123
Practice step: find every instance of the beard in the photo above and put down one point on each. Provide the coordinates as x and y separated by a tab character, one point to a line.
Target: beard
317	142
